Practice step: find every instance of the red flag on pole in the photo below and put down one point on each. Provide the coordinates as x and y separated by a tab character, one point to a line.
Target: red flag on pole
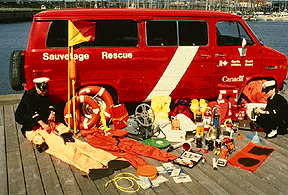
80	31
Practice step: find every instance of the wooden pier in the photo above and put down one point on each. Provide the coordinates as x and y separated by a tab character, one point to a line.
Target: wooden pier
23	170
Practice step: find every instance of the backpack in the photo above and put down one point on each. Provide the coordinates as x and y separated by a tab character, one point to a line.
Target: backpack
181	107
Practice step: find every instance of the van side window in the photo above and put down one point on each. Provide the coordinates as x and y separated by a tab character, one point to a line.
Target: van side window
161	33
109	33
230	33
165	33
193	33
116	33
58	34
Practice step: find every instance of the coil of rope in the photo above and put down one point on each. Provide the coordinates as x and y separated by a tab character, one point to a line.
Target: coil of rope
132	180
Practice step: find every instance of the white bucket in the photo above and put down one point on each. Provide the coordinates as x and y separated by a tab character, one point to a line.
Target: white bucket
250	107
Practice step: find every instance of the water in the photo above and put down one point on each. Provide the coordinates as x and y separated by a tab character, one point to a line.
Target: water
273	34
15	37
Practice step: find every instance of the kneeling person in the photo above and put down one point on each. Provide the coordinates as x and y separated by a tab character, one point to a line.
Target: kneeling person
36	110
36	113
274	118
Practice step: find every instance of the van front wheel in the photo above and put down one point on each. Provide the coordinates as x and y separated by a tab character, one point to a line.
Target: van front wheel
16	70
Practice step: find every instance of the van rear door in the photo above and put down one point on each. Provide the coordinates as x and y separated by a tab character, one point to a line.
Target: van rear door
230	68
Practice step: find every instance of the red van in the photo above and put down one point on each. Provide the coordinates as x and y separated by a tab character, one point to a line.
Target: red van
141	53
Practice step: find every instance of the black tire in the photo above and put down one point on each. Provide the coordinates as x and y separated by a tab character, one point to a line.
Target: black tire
16	70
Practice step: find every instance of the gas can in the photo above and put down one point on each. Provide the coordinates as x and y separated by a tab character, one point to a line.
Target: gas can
218	143
175	124
200	129
211	145
198	141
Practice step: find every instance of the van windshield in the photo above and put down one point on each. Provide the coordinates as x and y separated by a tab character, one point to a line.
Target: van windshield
258	39
111	33
231	33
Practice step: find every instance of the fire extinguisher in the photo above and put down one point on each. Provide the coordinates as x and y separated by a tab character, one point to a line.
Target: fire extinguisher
207	119
198	117
216	116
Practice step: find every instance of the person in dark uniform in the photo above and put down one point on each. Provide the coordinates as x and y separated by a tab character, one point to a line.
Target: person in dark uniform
35	107
36	113
36	110
274	118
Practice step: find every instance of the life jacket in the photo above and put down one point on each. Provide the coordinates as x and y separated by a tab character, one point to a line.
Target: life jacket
198	105
161	107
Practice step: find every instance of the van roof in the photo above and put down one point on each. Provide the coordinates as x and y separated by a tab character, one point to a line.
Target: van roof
66	14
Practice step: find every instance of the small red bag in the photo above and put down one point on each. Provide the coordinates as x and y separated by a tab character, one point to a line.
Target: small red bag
119	116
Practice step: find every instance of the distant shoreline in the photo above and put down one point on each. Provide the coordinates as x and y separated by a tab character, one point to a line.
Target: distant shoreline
17	15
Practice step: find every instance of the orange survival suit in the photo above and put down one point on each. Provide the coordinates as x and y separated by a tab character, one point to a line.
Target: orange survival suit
115	142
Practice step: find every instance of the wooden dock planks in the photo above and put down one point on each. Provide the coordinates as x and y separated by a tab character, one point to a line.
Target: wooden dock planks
26	171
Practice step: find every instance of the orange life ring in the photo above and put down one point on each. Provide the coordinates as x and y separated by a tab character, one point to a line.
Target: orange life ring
102	93
81	121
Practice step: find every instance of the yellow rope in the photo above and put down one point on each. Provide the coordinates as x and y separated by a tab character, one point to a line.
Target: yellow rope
69	111
74	106
132	180
120	120
104	126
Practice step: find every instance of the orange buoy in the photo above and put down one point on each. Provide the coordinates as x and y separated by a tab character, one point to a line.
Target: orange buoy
99	93
72	69
81	121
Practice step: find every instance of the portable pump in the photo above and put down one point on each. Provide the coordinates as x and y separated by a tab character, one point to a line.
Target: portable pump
139	125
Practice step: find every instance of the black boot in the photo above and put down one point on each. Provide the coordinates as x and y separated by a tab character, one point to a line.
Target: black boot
118	164
42	147
99	173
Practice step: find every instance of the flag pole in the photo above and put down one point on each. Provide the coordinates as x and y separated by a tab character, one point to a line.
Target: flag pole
69	111
73	73
75	37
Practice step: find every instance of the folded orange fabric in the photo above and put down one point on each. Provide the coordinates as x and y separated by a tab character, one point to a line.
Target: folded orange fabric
78	154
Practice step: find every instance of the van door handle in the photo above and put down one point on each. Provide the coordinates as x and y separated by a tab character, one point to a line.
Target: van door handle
205	55
220	55
41	72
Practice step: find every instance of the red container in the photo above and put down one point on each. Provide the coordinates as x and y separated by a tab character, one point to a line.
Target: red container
238	112
119	116
224	153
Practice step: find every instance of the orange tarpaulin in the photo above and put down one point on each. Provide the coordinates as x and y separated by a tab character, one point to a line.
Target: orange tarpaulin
253	92
250	157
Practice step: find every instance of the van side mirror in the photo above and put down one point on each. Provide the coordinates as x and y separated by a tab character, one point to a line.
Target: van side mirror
244	43
243	49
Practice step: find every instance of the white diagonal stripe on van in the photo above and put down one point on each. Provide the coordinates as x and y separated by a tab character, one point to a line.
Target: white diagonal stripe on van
174	71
